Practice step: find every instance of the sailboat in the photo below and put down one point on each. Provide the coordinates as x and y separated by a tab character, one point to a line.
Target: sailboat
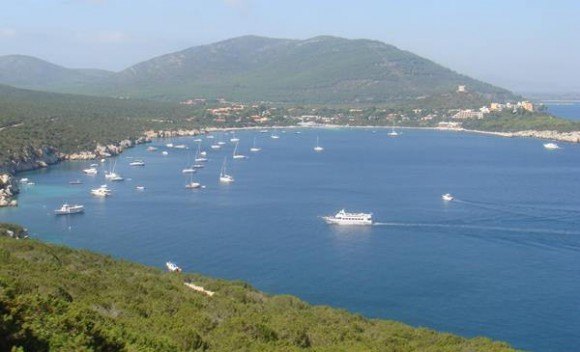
224	177
318	148
255	149
393	133
198	156
274	136
191	184
112	175
236	155
234	139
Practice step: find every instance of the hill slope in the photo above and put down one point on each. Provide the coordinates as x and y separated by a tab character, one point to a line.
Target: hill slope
320	70
32	73
32	121
55	298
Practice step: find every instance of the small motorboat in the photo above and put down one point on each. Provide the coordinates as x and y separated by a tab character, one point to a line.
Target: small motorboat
551	146
172	267
447	197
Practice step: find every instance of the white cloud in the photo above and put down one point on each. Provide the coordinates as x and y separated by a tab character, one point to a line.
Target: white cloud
7	32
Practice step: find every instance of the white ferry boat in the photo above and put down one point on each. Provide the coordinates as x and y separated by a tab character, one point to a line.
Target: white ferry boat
344	218
551	146
171	266
67	209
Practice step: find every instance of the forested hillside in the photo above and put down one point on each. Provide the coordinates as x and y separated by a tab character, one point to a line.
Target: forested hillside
59	299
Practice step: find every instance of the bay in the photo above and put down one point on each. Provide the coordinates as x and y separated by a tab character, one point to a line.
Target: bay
502	261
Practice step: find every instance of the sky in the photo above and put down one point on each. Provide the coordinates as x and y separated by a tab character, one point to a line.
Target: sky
523	45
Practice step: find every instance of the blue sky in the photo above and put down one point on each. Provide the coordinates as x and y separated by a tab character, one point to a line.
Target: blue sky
523	45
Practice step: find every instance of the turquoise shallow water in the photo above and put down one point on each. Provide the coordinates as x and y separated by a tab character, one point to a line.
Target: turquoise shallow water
502	261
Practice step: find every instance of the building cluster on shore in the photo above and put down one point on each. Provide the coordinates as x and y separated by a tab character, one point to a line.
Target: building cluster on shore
491	108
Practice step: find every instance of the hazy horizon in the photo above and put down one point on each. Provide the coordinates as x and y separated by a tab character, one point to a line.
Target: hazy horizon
512	45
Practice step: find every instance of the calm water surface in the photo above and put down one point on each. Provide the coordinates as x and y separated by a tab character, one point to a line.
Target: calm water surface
503	260
569	111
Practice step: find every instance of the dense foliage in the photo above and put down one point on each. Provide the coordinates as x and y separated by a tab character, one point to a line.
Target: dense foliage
510	122
56	298
31	120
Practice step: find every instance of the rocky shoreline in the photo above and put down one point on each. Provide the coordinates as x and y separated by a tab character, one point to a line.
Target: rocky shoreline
569	137
44	157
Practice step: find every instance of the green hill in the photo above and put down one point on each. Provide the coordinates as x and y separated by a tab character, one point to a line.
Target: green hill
32	73
320	70
33	123
59	299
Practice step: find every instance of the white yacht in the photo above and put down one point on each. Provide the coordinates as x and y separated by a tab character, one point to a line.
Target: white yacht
151	149
318	148
447	197
171	266
263	131
198	166
254	148
103	191
24	180
216	146
165	152
344	218
137	163
209	136
236	155
224	177
140	188
67	209
221	143
75	182
91	171
551	146
393	133
180	146
169	145
274	136
188	170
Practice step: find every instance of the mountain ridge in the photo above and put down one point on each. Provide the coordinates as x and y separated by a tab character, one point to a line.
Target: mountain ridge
322	69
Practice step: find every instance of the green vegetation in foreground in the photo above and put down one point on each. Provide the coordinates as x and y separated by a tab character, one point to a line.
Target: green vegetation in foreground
60	299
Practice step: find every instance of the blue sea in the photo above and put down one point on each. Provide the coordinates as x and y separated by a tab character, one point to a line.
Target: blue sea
502	260
569	111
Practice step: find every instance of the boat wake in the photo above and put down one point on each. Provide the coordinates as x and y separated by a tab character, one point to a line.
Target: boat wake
527	211
482	227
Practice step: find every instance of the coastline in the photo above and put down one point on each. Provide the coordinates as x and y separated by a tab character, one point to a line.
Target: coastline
43	158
